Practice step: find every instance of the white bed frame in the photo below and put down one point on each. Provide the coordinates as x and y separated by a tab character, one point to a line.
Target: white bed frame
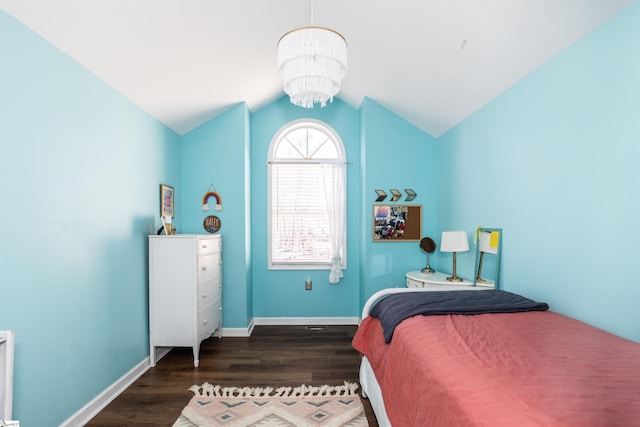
370	387
371	390
389	291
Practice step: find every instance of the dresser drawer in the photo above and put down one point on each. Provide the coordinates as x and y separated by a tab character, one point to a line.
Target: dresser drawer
207	321
209	246
208	267
414	283
217	315
217	286
209	292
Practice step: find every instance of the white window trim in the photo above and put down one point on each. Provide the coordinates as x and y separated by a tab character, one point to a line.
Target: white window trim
292	265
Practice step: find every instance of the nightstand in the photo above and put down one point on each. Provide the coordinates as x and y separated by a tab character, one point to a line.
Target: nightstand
438	282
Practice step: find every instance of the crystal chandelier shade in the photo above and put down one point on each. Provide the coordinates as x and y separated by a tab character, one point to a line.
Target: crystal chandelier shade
312	62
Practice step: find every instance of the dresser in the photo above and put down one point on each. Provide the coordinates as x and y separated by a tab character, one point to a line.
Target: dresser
438	282
185	291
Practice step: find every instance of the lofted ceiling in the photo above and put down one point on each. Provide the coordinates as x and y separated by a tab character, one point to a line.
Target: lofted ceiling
433	62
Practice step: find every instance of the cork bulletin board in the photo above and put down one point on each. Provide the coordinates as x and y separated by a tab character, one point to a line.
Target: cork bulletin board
393	223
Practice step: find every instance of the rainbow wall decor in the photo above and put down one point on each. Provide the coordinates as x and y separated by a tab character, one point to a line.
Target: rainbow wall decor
205	201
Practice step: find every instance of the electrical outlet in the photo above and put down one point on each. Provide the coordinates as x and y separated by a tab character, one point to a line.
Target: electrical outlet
308	284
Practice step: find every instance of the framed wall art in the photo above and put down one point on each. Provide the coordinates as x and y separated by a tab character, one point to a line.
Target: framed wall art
393	223
166	201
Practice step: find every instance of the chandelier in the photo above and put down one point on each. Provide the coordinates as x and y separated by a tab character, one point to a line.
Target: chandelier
312	62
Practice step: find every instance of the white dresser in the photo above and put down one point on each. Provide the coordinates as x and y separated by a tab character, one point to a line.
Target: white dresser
185	291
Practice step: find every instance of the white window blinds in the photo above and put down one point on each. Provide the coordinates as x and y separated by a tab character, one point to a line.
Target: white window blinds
299	215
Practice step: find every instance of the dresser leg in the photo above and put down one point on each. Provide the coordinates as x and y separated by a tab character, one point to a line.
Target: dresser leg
196	355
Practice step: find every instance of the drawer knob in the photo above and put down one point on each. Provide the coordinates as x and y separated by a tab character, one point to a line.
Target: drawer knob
204	246
204	268
205	295
206	321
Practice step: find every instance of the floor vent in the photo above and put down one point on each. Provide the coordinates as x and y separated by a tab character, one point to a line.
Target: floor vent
316	328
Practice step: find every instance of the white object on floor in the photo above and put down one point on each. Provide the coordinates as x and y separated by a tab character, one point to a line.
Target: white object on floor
6	381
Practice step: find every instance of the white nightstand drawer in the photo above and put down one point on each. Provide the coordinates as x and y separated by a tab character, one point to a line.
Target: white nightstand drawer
438	282
414	283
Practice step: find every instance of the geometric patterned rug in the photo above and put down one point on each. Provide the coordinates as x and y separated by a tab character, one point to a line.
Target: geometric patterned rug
304	406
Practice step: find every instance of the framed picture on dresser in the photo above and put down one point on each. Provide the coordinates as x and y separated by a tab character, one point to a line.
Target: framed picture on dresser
166	201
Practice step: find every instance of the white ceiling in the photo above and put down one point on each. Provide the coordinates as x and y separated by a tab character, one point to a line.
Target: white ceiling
433	62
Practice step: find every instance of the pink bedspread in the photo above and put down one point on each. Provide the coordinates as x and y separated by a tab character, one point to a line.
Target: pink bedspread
521	369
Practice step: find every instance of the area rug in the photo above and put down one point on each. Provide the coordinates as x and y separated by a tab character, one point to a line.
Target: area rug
304	406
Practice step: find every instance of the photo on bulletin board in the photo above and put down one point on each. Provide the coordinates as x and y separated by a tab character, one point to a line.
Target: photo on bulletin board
397	223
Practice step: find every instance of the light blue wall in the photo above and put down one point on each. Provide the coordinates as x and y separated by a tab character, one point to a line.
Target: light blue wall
555	162
396	155
217	154
81	172
282	293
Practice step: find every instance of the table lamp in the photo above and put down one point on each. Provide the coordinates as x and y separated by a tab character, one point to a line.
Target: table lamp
454	241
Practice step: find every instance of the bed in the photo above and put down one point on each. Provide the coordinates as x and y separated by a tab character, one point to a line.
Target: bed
527	366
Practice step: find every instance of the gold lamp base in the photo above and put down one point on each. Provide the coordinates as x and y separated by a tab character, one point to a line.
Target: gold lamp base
454	277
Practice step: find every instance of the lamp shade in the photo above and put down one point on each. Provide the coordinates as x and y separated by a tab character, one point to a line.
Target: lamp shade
454	241
312	62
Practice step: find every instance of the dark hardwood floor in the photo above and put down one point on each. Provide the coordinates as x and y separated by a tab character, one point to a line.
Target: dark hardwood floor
272	356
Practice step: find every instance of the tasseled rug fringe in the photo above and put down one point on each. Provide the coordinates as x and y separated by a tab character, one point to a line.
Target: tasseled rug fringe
209	390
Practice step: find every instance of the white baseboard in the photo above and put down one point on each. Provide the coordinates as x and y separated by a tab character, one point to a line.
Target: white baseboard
297	321
91	409
238	332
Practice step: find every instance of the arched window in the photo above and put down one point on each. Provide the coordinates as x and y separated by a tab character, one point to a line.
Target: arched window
307	198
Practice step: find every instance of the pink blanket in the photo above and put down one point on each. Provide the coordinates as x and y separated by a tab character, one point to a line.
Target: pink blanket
520	369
